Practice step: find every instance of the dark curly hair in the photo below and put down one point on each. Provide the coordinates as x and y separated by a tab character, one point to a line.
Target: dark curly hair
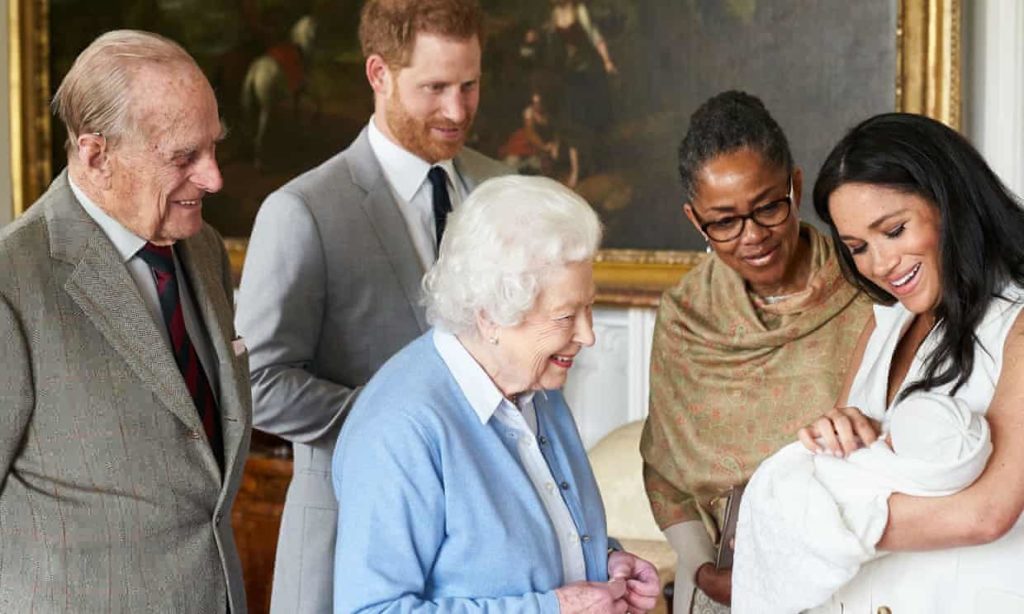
980	246
725	123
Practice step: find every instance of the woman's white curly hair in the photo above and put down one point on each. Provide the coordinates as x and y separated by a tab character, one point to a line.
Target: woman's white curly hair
499	245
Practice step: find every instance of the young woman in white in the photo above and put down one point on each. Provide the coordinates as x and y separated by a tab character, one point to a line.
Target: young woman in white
931	233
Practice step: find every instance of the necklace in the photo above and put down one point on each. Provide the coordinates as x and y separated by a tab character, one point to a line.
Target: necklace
778	298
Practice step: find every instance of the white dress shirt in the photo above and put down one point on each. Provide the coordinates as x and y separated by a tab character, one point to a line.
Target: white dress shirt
406	173
487	401
127	244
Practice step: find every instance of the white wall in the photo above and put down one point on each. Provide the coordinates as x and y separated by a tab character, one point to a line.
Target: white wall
994	85
608	386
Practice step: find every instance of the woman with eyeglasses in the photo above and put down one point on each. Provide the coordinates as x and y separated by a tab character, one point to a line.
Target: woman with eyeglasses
749	346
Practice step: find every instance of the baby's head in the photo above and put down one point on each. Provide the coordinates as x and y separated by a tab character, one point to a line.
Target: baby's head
934	427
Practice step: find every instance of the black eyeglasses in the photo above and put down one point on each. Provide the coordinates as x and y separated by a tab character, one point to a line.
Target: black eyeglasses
767	215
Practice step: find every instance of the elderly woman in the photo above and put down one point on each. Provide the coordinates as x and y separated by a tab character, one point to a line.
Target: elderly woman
749	346
462	482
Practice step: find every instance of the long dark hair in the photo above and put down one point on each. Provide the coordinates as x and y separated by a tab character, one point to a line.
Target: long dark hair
981	240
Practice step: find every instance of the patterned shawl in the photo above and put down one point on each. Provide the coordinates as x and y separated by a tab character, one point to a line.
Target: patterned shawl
732	379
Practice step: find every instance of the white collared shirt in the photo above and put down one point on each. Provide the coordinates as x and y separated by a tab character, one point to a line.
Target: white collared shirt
127	244
487	401
406	173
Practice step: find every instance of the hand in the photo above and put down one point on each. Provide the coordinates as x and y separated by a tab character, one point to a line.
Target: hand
716	583
841	431
642	582
593	598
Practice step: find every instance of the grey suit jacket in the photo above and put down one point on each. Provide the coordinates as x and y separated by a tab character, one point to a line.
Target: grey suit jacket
111	499
330	290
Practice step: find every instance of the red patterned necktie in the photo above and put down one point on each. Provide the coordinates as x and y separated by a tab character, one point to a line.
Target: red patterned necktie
161	260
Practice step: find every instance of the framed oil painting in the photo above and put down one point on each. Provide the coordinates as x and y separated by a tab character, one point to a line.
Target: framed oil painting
595	93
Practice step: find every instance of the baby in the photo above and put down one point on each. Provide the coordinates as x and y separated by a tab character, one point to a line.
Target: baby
809	521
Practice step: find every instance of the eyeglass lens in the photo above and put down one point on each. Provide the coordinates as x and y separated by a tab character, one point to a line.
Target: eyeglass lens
766	216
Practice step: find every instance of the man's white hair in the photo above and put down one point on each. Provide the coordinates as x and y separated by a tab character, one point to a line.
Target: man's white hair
96	94
498	247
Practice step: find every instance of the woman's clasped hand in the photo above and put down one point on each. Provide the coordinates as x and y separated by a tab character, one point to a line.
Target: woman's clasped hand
839	432
632	588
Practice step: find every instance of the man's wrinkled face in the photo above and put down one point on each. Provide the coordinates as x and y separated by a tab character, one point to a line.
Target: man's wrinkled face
160	173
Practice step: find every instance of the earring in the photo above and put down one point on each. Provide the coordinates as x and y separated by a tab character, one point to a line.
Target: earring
707	243
493	340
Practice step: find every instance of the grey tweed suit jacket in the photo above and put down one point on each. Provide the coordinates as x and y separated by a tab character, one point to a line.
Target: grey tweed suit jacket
111	499
330	291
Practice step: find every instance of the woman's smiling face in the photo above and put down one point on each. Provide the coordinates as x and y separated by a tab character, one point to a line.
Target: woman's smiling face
737	183
538	352
894	239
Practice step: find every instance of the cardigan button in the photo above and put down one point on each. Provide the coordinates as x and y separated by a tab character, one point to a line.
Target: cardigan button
564	485
585	539
543	440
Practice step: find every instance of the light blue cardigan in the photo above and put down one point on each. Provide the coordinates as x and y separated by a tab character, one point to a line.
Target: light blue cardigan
435	512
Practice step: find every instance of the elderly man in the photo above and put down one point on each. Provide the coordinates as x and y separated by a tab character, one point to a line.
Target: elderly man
125	402
331	284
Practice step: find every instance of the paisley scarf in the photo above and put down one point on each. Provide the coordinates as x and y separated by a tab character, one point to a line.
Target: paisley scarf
733	378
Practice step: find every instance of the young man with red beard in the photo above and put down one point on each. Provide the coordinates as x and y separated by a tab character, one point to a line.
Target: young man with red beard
331	284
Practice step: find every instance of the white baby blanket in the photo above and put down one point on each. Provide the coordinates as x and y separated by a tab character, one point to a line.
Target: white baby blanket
809	521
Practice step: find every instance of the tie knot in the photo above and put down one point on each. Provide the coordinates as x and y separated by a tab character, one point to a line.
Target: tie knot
442	203
438	177
159	257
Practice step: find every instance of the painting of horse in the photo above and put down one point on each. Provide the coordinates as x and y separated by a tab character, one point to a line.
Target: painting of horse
279	75
288	75
594	93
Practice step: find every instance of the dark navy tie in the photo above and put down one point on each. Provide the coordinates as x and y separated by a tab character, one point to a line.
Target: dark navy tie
442	203
161	260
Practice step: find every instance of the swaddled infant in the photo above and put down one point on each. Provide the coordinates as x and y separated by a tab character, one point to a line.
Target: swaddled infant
809	521
936	429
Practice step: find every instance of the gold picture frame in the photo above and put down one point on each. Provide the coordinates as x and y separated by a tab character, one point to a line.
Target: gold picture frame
928	56
29	82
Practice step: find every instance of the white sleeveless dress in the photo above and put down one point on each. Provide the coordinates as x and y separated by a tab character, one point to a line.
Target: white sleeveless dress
977	579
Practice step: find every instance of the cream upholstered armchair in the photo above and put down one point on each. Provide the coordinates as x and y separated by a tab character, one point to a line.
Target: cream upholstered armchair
618	469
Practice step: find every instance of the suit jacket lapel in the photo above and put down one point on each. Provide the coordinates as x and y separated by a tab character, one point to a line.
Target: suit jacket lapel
381	209
200	264
102	287
468	171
